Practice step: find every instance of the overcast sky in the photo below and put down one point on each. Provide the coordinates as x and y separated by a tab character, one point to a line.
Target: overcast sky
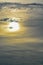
23	1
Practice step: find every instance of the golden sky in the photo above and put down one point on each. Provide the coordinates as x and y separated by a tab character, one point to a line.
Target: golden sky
22	1
29	31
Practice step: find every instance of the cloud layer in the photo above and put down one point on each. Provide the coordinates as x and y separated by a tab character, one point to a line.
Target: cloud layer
26	46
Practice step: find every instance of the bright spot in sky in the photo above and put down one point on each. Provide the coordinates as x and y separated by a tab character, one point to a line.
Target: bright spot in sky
13	26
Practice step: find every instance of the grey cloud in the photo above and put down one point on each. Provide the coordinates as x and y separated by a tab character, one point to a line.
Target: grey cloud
4	19
28	53
20	5
35	23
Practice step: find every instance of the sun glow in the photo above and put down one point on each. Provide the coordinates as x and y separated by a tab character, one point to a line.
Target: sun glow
13	26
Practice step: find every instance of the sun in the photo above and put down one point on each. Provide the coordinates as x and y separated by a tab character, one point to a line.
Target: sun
13	26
